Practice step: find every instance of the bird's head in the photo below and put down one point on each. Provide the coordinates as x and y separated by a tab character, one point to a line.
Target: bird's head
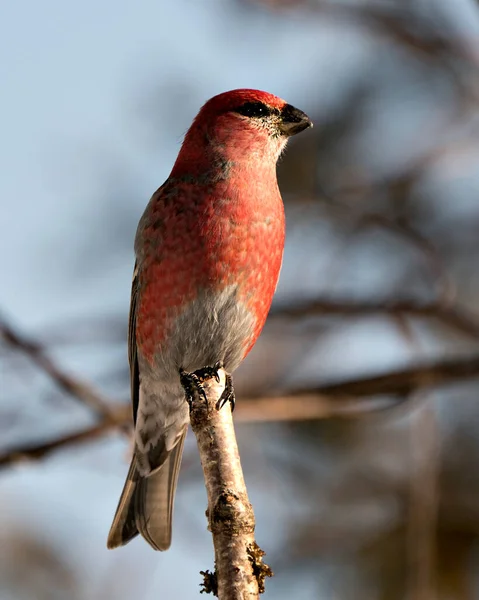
243	126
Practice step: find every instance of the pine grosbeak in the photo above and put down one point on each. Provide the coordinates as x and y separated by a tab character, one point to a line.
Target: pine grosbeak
209	248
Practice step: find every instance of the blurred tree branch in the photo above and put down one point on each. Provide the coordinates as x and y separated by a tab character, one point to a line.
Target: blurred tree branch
459	319
407	25
339	399
119	418
71	385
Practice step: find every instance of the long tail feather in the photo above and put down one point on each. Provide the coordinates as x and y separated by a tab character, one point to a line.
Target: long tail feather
123	528
146	504
154	500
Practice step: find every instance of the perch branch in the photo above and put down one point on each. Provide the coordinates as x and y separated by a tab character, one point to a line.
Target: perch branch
240	572
344	399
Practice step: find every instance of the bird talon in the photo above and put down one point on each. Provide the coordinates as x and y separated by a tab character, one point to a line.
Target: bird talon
209	372
193	384
228	394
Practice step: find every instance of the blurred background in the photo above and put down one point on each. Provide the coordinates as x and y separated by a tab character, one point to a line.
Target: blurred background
358	411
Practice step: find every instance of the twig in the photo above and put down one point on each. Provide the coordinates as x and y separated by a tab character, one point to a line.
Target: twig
69	384
444	284
120	418
424	37
307	407
457	318
240	571
403	381
253	410
326	401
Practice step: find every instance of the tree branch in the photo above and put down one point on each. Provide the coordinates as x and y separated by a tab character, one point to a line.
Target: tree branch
71	385
240	572
326	401
452	316
352	308
119	419
404	381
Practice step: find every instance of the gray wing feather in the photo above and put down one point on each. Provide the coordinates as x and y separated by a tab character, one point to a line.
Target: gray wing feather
123	528
132	352
146	503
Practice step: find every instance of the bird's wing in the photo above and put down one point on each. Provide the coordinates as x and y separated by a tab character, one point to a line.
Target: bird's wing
132	351
146	503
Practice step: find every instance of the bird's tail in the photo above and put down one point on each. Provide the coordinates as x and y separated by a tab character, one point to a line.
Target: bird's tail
146	504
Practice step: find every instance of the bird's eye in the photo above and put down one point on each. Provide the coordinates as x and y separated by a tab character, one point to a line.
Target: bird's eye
254	109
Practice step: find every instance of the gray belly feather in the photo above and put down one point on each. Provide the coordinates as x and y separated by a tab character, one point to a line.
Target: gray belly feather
214	327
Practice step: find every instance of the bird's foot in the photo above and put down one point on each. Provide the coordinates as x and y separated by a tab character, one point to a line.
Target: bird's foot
193	384
210	372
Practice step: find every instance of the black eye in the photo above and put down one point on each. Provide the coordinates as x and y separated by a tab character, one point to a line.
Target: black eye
254	109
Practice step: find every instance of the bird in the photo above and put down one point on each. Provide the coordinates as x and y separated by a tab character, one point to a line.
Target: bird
209	249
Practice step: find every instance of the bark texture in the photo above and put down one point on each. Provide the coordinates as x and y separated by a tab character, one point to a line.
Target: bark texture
240	571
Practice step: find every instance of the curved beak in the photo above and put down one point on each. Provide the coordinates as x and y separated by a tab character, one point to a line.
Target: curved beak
293	120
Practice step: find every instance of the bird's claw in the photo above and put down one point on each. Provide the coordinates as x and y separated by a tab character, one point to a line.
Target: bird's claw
210	372
193	383
228	394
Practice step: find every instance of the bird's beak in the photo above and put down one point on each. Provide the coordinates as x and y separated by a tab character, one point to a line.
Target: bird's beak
293	120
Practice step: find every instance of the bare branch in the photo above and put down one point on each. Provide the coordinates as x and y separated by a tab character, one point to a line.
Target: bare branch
306	407
344	399
402	230
120	418
453	317
239	569
253	410
404	381
71	385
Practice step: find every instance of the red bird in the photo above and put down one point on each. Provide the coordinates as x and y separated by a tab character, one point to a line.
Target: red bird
209	248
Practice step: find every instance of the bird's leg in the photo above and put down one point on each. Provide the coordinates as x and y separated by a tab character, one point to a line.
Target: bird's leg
193	383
